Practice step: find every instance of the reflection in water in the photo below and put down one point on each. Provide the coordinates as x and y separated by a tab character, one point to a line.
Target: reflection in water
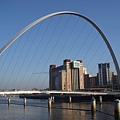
117	115
37	109
81	111
50	113
65	111
100	107
93	114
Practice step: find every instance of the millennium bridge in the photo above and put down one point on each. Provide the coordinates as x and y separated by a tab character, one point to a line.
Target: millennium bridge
57	92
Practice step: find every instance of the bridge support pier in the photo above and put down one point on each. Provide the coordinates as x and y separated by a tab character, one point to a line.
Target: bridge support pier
100	99
8	101
117	109
70	99
93	107
93	104
49	103
24	102
53	99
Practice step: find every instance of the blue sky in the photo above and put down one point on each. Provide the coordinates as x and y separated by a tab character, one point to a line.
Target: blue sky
16	14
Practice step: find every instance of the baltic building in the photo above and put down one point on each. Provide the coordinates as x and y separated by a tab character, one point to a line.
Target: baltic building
69	76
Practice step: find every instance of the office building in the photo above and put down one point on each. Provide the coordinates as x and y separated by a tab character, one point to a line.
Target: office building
104	74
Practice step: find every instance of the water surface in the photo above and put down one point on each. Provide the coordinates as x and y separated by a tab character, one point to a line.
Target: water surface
38	110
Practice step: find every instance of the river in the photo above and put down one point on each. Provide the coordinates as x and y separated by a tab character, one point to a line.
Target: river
38	110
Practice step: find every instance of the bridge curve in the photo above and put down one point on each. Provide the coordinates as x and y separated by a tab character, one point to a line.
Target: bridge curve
59	13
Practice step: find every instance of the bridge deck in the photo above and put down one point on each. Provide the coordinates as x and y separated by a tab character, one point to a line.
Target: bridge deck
56	92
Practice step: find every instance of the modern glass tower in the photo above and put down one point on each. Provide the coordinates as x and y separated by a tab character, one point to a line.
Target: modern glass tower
104	74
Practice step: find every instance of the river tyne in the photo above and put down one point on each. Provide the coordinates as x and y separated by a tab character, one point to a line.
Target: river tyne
37	109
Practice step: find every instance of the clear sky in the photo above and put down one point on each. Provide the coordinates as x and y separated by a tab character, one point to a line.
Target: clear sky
17	14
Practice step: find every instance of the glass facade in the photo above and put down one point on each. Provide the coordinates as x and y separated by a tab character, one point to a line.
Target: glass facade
104	73
75	79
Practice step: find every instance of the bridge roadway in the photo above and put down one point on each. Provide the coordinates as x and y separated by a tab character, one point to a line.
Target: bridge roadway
2	93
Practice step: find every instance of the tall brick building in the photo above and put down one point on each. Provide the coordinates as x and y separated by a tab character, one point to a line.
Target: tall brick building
69	76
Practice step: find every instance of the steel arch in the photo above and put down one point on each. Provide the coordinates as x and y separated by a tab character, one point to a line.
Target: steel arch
65	12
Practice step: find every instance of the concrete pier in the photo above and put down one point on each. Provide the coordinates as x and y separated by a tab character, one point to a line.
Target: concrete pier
53	98
100	99
70	99
93	104
24	102
8	101
117	109
49	103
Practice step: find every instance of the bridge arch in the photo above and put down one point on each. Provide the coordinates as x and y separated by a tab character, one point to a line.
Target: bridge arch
59	13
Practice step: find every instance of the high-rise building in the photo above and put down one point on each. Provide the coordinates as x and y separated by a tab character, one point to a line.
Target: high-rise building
104	74
69	76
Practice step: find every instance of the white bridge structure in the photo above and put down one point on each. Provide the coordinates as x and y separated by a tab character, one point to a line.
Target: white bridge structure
2	93
72	13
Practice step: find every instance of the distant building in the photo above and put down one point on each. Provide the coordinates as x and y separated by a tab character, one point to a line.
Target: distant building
90	81
114	78
93	81
87	80
104	74
69	76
